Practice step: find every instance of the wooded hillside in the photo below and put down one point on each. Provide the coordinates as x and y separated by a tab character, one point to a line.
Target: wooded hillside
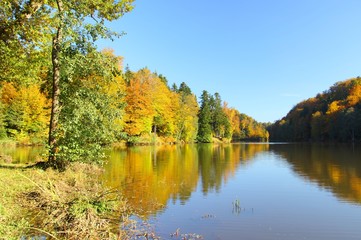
334	115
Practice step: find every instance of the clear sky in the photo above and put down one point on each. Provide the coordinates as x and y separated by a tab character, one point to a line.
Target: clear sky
261	56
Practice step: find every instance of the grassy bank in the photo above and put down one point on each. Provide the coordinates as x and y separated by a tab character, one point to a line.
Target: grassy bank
68	205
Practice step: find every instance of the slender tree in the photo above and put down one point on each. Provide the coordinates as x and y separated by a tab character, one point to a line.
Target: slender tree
71	25
219	118
204	119
187	114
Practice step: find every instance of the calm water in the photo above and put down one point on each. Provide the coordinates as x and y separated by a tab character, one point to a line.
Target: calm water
285	191
21	154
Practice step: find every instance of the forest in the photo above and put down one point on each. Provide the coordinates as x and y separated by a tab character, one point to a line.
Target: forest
331	116
58	89
136	107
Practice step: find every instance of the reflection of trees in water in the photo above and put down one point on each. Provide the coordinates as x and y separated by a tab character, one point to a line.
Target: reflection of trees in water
149	176
21	154
217	163
335	167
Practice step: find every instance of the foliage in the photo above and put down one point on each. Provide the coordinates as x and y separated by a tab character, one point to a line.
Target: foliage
219	121
74	31
25	112
186	113
222	122
161	98
205	119
334	115
139	111
93	91
234	121
24	41
154	109
251	129
34	32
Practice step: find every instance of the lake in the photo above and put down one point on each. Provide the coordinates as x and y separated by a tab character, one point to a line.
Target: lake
243	191
21	154
237	191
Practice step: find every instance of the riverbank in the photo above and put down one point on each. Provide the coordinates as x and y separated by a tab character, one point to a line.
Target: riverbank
68	205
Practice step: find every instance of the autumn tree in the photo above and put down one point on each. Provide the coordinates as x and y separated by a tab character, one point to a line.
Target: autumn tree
24	112
354	96
251	129
234	120
139	110
186	114
152	107
163	120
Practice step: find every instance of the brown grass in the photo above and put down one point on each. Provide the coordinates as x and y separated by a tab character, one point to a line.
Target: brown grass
68	205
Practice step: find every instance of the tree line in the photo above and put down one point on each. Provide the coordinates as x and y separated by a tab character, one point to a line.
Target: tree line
334	115
134	106
57	88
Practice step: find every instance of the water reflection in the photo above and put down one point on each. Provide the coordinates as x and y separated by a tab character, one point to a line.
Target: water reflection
215	188
149	176
21	154
217	163
334	167
230	181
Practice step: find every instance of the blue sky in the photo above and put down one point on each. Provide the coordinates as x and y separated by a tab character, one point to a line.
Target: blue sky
261	56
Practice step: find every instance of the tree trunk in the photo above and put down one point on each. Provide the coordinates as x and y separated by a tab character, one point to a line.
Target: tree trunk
55	107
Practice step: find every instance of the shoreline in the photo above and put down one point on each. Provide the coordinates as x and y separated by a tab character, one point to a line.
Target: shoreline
71	204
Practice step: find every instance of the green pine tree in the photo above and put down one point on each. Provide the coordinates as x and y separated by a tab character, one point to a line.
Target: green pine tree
204	120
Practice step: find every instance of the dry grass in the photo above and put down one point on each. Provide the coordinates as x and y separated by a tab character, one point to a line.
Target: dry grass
67	205
12	220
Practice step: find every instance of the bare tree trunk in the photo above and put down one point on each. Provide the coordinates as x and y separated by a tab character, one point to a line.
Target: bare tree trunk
55	107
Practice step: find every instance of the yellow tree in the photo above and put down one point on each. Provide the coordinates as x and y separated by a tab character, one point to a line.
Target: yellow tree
233	117
163	121
138	111
8	92
36	111
151	106
26	112
355	95
334	107
187	118
115	89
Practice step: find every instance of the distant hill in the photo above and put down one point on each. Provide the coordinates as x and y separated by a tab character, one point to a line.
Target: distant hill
334	115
